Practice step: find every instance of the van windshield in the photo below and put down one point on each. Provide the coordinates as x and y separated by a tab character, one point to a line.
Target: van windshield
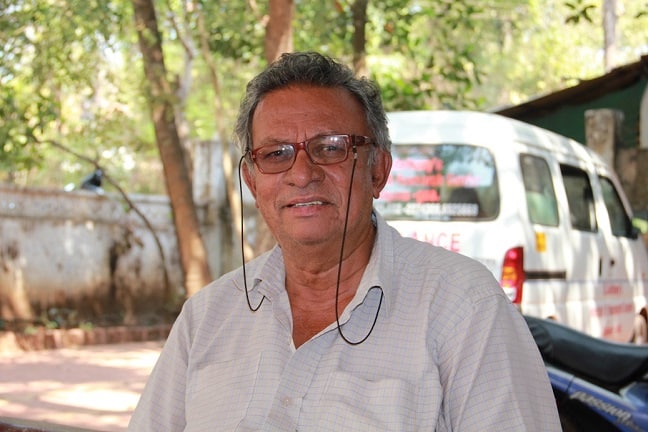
440	182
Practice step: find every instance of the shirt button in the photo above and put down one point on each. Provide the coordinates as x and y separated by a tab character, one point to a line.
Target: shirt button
286	402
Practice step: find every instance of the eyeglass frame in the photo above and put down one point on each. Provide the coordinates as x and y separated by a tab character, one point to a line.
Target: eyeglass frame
352	141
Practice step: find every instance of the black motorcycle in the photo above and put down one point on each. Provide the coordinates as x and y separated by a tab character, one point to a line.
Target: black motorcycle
599	385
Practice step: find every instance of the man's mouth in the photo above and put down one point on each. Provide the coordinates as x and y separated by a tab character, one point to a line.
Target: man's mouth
307	204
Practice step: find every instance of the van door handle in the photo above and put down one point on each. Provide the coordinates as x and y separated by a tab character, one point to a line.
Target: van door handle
600	266
612	262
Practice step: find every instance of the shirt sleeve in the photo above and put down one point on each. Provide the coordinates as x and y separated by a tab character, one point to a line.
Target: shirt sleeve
162	403
493	375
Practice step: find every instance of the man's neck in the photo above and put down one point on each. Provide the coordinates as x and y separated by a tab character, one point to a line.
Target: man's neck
312	285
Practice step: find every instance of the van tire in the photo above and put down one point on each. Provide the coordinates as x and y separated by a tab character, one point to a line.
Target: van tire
640	334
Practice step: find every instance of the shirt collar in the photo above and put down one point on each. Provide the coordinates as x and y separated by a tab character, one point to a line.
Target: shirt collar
266	274
380	268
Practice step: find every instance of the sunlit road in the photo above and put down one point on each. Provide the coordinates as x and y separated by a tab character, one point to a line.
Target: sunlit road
94	387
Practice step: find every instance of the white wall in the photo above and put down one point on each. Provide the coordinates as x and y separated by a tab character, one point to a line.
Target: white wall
85	251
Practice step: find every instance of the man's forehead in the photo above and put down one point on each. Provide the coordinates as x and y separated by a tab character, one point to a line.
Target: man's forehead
297	113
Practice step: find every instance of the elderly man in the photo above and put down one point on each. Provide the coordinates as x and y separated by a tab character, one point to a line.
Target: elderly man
344	325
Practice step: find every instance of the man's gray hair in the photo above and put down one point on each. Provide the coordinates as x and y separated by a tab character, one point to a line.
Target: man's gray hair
314	69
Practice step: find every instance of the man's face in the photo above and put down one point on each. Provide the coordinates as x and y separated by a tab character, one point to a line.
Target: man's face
306	205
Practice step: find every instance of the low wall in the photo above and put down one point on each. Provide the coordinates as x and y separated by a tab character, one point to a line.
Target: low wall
79	256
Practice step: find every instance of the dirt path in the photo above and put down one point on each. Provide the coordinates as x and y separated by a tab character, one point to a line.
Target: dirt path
94	387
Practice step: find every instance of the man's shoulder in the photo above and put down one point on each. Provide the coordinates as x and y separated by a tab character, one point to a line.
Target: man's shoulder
436	268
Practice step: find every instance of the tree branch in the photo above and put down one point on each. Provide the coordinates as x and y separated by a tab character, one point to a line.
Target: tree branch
124	196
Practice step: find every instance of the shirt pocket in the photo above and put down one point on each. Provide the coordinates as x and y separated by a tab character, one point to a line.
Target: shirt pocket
219	394
360	404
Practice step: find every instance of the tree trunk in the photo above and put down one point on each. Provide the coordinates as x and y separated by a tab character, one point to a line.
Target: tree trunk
359	10
278	35
278	40
609	34
193	254
229	164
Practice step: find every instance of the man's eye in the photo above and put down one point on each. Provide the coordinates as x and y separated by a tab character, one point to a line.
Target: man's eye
331	148
328	149
328	146
277	153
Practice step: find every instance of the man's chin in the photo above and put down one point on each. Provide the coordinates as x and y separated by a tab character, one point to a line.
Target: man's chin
311	237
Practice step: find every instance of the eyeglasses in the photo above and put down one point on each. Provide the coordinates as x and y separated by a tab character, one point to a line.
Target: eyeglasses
321	150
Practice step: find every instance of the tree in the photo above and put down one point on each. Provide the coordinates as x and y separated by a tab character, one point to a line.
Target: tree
609	34
66	70
616	27
359	16
59	79
278	39
427	52
278	36
193	254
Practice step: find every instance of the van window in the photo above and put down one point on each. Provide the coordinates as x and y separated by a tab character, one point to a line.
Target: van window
539	191
440	182
579	198
620	222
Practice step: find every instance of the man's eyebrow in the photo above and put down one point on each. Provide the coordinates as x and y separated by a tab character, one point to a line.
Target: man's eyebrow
310	137
272	141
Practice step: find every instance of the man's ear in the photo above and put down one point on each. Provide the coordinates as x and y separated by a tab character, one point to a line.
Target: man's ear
249	179
380	171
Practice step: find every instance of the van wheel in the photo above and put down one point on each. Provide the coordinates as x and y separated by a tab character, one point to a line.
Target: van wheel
640	334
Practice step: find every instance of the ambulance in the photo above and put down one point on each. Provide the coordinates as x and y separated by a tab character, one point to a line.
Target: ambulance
542	212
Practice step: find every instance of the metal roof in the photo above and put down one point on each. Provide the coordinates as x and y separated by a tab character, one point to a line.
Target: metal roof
586	91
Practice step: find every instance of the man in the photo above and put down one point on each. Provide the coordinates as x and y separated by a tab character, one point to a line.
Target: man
344	325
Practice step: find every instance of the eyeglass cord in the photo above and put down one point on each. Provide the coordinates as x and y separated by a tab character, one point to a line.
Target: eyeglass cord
339	272
247	294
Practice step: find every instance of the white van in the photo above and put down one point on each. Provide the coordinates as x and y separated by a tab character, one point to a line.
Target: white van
544	213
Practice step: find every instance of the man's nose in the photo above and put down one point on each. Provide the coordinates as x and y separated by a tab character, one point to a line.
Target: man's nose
304	170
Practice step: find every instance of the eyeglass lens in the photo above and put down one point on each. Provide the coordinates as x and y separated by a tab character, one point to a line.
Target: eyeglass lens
322	150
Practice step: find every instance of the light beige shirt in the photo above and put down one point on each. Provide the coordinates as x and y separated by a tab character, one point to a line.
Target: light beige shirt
448	352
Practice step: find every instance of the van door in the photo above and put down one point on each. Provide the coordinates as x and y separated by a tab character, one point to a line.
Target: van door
621	270
585	254
544	260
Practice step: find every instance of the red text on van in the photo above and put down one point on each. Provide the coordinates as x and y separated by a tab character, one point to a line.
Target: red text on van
450	241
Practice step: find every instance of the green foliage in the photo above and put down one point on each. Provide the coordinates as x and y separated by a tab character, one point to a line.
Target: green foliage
70	71
579	10
585	19
324	26
64	78
643	12
234	30
24	113
417	51
430	50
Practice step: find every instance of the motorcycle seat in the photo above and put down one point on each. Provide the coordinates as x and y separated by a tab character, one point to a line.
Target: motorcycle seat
610	363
